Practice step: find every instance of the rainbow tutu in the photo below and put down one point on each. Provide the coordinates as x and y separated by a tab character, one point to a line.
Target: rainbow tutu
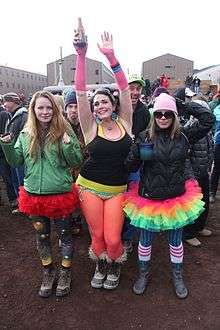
159	215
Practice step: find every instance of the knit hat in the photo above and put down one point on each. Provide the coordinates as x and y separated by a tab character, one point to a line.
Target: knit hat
160	90
12	97
165	102
70	97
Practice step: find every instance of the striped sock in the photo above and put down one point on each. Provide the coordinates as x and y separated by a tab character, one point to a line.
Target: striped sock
176	253
144	252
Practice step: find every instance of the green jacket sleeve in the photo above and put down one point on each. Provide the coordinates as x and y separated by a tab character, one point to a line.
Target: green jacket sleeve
13	152
72	152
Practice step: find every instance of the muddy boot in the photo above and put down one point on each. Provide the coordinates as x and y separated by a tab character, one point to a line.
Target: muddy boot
180	289
113	276
99	275
142	281
47	282
64	281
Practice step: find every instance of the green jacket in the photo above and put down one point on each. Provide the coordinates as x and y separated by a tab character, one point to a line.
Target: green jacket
50	172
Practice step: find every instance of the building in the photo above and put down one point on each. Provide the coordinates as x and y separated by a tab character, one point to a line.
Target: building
174	67
20	81
210	73
97	72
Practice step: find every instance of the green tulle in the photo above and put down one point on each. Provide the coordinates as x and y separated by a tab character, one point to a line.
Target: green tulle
160	222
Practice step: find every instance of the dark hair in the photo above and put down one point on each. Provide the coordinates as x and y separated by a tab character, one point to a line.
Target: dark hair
105	91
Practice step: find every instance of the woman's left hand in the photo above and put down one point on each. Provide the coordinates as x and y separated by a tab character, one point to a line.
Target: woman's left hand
106	48
66	138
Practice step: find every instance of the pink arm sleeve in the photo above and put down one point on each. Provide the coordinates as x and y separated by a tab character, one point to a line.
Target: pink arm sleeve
80	75
118	72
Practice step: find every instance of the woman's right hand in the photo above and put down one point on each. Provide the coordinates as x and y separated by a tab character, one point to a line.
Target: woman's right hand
6	138
80	39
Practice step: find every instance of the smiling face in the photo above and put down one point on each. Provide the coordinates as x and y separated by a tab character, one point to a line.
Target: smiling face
164	119
43	110
135	90
103	106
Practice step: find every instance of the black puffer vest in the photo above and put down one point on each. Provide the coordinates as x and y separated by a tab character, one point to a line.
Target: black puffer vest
164	177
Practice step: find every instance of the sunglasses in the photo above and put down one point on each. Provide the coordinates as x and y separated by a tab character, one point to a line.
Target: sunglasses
165	114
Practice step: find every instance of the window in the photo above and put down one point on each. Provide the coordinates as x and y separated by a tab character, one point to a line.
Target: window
27	75
19	86
12	73
13	85
0	71
18	75
22	75
97	72
7	85
31	77
1	84
168	66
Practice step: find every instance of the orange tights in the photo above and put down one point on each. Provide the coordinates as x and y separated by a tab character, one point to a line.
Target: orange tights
105	220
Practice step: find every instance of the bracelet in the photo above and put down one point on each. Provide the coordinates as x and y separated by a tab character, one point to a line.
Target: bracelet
116	68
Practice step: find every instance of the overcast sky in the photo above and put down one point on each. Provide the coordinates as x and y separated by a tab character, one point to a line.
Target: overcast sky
32	31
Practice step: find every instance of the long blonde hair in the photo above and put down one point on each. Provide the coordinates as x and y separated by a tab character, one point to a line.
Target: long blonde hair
58	125
153	128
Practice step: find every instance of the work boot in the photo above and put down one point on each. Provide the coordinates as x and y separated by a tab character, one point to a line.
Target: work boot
193	242
205	232
180	289
142	281
47	282
99	275
64	281
113	276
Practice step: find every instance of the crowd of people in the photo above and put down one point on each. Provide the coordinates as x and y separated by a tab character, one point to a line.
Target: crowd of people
130	169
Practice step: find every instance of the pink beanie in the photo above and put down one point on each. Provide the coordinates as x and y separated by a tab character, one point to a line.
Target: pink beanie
165	102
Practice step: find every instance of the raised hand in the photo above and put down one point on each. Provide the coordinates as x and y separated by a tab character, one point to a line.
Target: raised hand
66	138
80	39
6	138
106	47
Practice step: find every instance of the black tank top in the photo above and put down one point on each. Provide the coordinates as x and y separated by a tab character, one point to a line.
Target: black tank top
105	164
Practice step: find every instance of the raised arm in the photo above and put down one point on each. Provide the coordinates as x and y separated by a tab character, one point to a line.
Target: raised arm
85	115
106	48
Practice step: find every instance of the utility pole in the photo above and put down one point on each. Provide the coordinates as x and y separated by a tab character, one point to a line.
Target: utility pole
61	82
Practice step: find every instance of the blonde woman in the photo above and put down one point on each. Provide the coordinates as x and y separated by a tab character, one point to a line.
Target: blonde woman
48	148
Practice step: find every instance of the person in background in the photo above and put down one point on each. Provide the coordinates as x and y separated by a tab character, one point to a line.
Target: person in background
215	107
5	168
47	142
17	119
164	82
140	121
196	84
164	199
103	178
201	157
71	113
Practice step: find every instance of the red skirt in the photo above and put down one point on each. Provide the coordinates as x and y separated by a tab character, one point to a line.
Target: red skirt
50	206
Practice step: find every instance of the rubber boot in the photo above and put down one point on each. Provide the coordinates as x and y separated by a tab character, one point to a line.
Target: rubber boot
113	276
99	275
49	275
180	289
64	282
142	281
